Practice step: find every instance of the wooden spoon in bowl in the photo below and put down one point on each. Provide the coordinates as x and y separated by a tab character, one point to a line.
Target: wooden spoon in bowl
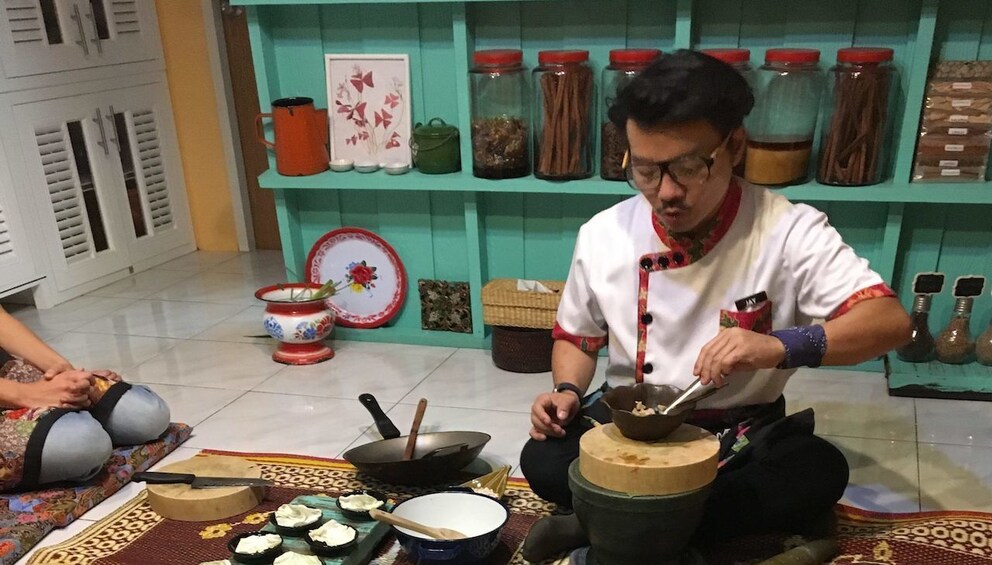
436	533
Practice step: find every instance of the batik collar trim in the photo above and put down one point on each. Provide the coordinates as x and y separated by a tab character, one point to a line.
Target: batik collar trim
695	249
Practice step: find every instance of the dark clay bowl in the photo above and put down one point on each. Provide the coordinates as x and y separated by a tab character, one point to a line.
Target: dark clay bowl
621	401
263	558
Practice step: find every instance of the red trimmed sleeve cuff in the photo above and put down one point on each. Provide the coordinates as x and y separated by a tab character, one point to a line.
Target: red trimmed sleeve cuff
583	343
879	290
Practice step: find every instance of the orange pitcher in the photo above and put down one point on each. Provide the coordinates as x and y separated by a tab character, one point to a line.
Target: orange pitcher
301	136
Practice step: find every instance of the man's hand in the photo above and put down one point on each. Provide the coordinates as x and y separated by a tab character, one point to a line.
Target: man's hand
737	350
552	411
68	389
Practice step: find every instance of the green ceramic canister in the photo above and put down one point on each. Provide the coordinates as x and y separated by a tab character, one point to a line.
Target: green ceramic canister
436	147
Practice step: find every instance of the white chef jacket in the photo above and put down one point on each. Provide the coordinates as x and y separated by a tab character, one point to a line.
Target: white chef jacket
657	300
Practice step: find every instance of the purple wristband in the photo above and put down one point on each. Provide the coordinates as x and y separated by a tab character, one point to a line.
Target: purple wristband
805	346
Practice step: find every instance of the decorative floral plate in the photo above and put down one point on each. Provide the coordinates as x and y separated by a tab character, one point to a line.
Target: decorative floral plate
370	279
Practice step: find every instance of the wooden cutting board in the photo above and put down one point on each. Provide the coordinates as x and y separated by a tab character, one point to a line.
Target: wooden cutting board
684	461
182	502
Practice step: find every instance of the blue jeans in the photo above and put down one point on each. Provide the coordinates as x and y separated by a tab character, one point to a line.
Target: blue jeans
77	446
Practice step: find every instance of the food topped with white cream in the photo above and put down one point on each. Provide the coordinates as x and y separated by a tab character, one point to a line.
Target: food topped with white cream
257	544
360	502
296	515
293	558
333	534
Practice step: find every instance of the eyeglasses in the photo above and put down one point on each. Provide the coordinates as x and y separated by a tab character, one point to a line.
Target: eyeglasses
686	171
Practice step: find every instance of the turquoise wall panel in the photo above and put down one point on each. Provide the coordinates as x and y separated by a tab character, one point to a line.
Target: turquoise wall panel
449	238
438	234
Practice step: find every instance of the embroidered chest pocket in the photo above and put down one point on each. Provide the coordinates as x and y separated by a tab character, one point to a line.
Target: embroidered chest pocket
757	319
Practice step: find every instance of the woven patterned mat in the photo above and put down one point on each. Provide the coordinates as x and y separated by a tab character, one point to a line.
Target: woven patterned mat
134	534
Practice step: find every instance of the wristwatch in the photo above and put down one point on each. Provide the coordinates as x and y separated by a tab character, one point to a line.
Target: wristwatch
562	387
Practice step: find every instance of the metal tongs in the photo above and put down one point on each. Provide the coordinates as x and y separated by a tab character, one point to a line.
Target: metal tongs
695	387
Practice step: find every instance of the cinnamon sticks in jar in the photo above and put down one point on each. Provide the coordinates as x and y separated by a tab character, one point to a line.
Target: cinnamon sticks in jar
563	138
854	144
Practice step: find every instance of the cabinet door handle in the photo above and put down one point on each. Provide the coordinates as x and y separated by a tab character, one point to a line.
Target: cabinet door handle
112	118
82	32
103	132
96	31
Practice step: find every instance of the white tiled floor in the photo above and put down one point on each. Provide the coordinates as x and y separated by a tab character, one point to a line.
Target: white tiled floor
189	330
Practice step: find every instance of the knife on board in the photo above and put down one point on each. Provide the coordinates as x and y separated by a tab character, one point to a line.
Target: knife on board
159	478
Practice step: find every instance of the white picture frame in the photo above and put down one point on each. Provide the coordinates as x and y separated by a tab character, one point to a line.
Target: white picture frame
368	104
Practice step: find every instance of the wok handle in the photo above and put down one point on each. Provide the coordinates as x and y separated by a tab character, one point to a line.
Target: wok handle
382	422
411	442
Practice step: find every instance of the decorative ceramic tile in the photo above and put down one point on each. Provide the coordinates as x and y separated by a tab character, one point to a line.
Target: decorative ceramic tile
445	306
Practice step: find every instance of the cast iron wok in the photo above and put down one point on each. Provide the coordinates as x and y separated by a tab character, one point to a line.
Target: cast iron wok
437	457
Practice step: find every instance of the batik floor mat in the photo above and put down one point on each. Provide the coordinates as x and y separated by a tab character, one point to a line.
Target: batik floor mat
27	517
135	535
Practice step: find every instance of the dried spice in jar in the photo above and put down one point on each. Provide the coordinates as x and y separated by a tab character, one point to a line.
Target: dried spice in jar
624	65
500	130
854	148
955	344
780	128
563	134
499	148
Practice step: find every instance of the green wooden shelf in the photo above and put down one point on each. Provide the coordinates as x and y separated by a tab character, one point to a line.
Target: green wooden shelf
407	336
970	381
964	193
447	227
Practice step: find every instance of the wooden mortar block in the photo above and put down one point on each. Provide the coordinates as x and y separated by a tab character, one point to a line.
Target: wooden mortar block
182	502
684	461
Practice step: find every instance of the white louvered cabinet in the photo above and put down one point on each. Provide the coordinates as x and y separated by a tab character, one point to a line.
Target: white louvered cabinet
48	36
17	264
106	179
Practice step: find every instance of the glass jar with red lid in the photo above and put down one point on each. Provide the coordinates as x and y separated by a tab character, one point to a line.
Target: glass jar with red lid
738	58
624	66
563	115
856	132
781	127
500	114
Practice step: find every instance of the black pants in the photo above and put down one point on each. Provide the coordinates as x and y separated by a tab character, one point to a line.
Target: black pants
782	481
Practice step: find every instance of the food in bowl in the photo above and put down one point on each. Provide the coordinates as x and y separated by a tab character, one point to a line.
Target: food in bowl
361	502
293	558
257	543
296	515
641	410
255	548
334	534
332	539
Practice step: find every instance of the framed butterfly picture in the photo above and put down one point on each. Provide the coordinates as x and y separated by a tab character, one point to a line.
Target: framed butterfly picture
368	99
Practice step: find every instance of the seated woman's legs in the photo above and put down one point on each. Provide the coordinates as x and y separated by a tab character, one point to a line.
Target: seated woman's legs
139	416
75	449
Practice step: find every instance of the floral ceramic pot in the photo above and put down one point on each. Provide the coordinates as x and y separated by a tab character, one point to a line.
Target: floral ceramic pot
300	326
